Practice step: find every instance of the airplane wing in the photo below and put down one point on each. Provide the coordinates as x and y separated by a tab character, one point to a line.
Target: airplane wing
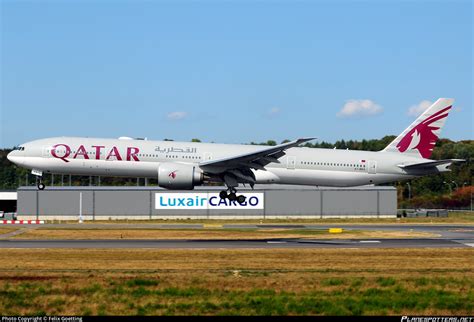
428	164
253	160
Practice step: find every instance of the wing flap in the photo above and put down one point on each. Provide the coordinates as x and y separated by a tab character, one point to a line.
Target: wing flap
255	160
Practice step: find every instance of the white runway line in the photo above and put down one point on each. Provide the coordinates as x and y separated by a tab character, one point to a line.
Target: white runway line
369	241
276	242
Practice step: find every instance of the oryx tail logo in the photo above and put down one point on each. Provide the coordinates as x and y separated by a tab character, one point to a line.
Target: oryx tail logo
173	174
424	135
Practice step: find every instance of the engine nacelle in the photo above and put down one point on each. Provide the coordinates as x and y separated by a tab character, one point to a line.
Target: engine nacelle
178	176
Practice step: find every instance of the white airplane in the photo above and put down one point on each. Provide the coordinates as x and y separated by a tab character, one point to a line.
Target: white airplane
183	165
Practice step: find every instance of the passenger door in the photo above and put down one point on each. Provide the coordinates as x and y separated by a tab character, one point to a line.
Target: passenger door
46	151
290	162
372	167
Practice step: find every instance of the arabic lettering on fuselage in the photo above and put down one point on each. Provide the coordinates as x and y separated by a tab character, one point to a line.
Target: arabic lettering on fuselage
176	150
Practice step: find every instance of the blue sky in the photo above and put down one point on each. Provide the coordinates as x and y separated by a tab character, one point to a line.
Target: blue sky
231	72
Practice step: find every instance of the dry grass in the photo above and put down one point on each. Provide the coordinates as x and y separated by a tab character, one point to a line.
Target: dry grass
6	230
44	233
395	261
461	217
277	281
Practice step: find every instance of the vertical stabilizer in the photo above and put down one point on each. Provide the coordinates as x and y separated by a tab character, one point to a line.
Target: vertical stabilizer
420	137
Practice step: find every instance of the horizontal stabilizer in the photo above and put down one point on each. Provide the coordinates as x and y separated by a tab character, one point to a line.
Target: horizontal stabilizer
429	164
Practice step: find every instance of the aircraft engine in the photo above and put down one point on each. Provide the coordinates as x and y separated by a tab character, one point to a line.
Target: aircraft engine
176	176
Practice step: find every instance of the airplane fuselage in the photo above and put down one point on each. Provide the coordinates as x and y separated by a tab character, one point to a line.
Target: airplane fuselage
141	158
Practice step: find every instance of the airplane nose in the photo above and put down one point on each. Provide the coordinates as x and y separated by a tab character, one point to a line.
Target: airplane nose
14	158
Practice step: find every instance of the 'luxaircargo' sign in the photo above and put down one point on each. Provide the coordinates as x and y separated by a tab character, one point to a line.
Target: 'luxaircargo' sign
204	200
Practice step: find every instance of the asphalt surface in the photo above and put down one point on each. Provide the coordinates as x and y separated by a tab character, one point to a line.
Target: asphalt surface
228	244
449	236
448	231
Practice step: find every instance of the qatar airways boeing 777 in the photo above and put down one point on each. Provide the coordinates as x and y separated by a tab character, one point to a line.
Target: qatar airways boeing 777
183	165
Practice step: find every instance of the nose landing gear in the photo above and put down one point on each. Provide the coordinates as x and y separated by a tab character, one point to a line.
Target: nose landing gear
39	178
41	185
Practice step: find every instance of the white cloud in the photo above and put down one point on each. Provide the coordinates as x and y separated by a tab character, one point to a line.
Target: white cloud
273	112
359	108
416	110
176	116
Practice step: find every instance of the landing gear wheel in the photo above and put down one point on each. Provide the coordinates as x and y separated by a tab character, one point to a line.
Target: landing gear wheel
241	199
41	186
232	196
223	194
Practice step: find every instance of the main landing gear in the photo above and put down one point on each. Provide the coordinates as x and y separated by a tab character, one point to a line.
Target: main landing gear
232	195
231	182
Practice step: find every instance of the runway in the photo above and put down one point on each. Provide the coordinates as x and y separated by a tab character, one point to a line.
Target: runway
444	230
233	244
449	236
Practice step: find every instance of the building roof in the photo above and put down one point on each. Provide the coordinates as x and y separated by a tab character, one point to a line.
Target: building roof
8	195
210	188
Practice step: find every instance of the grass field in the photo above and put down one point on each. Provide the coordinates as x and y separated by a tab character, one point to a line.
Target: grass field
228	282
216	233
6	230
461	217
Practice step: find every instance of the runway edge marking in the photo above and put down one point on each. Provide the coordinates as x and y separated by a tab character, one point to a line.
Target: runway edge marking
21	222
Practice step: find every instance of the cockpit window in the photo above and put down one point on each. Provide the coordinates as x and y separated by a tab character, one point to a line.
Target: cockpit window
19	148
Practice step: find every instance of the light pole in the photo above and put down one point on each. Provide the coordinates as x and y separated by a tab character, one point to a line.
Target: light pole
80	208
457	187
465	183
409	190
450	188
